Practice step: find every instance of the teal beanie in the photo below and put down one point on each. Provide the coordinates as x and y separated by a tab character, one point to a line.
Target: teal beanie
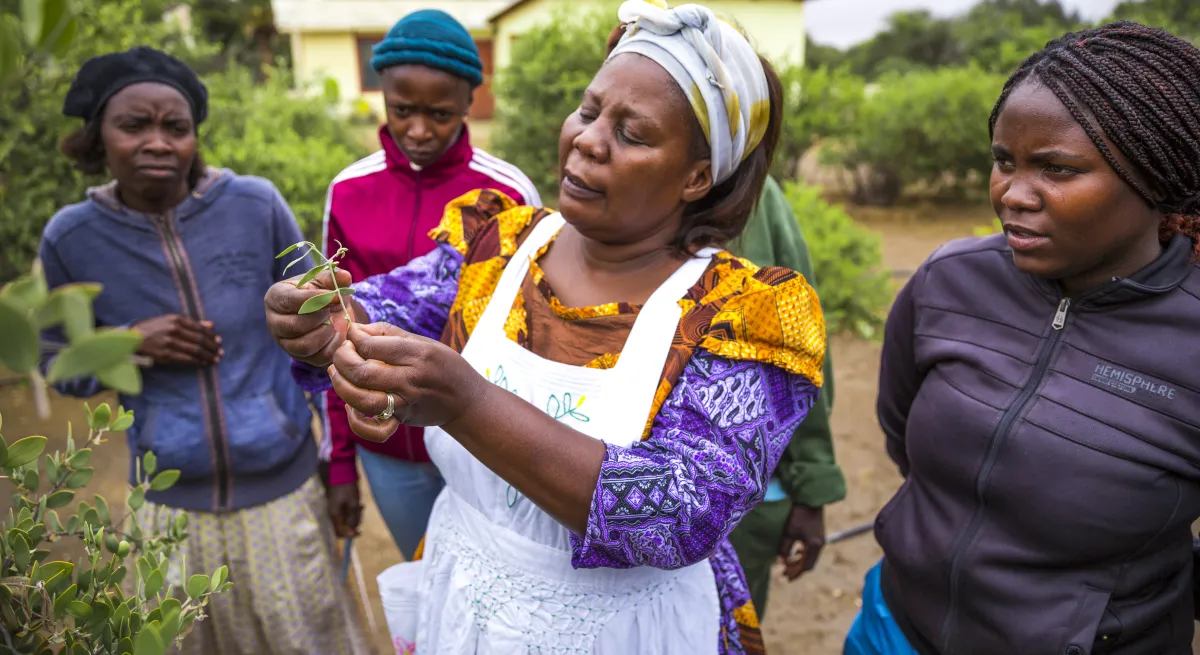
432	38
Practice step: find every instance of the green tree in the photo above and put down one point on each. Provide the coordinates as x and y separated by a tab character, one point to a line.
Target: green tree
1180	17
928	127
819	103
269	130
552	65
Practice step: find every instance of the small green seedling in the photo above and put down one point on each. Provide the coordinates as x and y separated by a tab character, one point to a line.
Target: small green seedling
328	264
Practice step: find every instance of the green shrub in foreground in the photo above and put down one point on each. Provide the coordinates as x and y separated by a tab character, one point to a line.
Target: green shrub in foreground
847	263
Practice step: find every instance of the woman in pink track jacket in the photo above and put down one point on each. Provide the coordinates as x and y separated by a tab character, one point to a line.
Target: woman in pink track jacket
382	209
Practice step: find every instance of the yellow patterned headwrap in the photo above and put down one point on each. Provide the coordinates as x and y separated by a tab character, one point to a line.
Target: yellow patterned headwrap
715	66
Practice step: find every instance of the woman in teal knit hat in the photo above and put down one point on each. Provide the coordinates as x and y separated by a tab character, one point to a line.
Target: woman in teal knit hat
382	209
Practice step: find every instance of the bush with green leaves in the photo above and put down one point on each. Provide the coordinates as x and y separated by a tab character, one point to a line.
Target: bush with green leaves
292	138
928	127
116	598
818	103
847	263
81	607
552	65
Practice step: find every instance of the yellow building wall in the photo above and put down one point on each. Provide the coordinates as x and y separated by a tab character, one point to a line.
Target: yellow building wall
775	27
320	55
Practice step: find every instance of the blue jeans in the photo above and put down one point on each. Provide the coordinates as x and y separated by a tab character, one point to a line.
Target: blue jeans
404	492
875	631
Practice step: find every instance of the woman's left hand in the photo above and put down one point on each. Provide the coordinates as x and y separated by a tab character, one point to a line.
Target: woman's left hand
430	384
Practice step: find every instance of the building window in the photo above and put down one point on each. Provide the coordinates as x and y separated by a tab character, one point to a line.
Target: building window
368	79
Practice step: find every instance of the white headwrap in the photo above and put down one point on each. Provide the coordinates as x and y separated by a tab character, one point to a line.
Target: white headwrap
715	66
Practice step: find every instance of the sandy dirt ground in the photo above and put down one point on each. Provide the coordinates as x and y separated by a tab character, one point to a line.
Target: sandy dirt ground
808	617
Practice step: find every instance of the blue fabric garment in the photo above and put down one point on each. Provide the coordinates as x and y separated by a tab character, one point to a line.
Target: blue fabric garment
774	491
404	492
239	432
875	631
432	38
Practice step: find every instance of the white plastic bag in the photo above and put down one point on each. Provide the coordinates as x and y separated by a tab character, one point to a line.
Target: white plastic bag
399	592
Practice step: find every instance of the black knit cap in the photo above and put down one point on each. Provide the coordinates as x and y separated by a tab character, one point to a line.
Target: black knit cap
102	77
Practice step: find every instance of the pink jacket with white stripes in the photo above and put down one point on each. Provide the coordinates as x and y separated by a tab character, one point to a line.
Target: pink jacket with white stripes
382	209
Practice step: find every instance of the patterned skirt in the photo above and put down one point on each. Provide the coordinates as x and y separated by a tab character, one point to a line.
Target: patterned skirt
286	597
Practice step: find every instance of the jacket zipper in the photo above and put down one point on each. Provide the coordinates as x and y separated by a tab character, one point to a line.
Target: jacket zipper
412	236
191	299
1041	363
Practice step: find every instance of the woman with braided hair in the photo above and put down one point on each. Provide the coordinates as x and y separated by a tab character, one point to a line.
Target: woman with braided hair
1040	389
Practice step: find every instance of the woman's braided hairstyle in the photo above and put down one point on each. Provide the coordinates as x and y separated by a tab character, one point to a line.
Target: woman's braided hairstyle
1141	86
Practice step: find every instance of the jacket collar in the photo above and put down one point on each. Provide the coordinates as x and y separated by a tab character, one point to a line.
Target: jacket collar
211	184
458	155
1161	276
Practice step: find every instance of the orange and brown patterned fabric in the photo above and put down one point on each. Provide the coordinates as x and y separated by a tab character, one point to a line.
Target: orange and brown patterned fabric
736	310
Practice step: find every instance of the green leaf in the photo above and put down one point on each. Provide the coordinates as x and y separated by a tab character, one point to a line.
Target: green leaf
154	583
122	422
31	480
149	463
50	570
96	353
19	347
111	543
123	377
79	479
218	578
25	450
164	480
70	305
3	451
81	458
197	586
10	47
311	275
60	603
52	521
317	302
52	471
181	521
27	292
289	249
79	609
31	20
59	498
125	647
20	550
100	417
311	248
60	46
137	498
149	641
172	610
102	509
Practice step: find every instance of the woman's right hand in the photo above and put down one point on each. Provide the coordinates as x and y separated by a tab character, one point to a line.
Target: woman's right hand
309	338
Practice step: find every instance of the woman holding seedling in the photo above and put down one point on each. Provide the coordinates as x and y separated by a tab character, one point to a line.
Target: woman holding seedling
177	247
1040	389
611	391
428	66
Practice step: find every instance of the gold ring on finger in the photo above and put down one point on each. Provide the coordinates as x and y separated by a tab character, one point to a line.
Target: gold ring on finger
391	408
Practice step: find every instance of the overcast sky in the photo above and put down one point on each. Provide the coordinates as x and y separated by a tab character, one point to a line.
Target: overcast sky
846	22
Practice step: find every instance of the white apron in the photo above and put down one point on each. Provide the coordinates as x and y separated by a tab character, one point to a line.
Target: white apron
497	575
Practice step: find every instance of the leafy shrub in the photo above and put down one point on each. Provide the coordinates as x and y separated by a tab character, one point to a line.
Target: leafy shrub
552	64
817	104
847	263
269	130
928	127
291	138
112	603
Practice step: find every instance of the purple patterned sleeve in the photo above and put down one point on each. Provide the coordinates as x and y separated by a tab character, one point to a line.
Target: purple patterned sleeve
416	297
672	500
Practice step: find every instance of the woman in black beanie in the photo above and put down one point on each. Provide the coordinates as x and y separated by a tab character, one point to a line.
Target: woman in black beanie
169	239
